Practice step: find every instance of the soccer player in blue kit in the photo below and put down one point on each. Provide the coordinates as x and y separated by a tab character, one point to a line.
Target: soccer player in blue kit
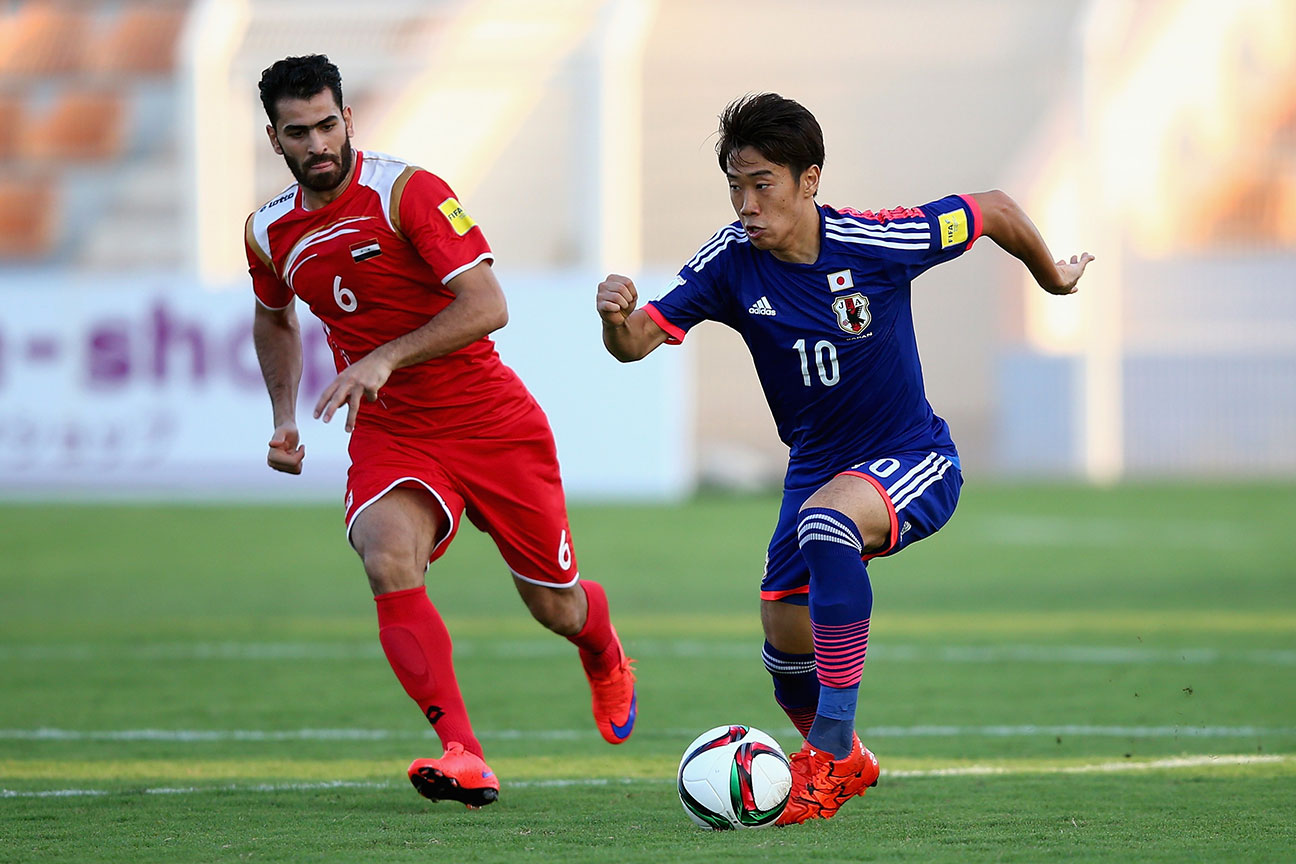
821	296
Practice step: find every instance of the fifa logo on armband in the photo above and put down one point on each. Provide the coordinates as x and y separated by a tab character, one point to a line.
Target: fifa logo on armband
953	228
459	220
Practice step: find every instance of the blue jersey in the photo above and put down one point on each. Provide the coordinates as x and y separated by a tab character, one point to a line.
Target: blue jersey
833	341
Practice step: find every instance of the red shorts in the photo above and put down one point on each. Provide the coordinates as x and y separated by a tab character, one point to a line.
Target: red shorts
510	487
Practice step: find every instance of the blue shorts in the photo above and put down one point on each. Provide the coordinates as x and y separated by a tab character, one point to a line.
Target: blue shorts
921	490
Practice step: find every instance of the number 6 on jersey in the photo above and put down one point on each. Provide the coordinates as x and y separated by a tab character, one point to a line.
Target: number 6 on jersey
345	297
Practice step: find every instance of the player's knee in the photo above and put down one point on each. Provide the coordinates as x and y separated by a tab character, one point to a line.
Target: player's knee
875	535
787	626
390	571
558	609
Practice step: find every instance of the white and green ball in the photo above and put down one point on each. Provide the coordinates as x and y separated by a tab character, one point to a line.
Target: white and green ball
734	777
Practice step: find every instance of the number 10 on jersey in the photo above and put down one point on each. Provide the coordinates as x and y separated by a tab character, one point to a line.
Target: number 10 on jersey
825	361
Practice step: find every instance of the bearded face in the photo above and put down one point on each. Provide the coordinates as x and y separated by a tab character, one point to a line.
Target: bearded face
322	172
314	137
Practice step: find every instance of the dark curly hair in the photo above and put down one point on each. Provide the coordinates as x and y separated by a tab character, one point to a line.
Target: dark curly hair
781	130
298	78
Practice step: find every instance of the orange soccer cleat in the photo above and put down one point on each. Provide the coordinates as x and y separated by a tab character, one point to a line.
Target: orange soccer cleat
822	784
457	776
614	699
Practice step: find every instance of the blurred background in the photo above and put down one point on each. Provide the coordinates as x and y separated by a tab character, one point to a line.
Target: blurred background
1160	135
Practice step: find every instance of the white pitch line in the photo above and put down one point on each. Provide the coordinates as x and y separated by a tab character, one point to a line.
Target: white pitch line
651	648
1026	731
1100	768
954	771
186	790
198	736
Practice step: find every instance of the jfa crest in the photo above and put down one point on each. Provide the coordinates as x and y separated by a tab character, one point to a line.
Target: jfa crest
852	313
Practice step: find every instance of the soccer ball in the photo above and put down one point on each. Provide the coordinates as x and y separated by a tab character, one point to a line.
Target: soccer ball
734	777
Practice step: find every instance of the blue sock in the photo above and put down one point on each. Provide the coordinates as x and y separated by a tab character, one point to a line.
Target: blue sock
796	685
841	604
834	726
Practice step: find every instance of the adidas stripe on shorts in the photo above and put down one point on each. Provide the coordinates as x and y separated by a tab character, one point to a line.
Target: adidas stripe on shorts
921	489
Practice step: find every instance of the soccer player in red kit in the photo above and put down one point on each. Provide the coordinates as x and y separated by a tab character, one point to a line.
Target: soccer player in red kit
387	258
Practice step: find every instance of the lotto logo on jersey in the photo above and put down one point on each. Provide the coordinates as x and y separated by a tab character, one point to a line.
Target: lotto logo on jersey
852	313
460	221
953	228
840	281
276	202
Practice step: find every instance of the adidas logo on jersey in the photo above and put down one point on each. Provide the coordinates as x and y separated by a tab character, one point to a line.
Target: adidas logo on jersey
761	307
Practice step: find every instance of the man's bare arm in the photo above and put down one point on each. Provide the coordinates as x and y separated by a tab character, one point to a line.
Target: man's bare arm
628	333
277	337
478	309
1004	222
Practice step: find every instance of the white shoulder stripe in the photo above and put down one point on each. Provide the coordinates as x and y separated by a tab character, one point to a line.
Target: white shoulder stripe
724	235
918	244
850	226
269	213
867	220
733	238
380	173
716	239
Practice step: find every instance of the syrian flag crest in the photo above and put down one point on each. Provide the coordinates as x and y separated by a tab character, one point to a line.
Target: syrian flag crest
364	250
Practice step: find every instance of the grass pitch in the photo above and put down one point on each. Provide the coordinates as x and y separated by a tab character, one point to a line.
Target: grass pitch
1062	673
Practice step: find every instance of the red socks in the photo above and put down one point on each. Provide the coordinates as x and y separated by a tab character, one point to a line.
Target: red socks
418	647
597	636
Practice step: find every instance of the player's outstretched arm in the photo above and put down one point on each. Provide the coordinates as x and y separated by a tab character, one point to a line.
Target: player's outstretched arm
478	309
628	333
277	337
1004	222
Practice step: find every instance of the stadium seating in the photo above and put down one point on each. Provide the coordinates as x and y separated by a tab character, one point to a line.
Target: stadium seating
91	93
79	82
27	216
14	110
81	125
42	39
141	41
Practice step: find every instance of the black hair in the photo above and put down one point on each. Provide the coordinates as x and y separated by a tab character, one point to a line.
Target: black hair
298	78
781	130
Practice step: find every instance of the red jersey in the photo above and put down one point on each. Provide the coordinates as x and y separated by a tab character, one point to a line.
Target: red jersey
372	265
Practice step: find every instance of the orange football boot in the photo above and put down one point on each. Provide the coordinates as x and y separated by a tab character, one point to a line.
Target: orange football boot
821	784
614	700
457	776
